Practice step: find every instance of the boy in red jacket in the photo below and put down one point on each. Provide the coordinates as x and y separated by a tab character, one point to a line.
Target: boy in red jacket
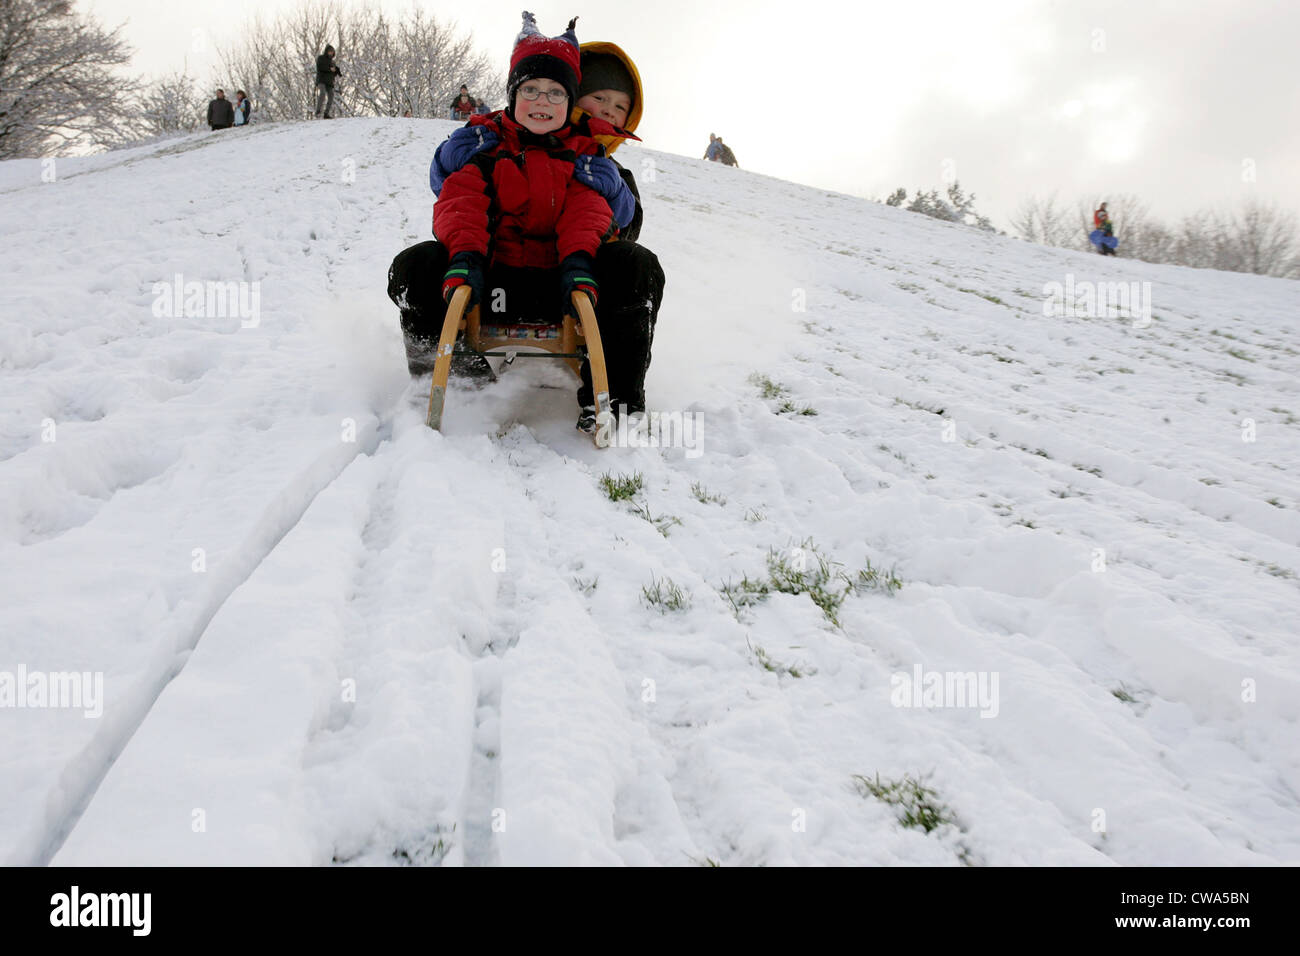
521	230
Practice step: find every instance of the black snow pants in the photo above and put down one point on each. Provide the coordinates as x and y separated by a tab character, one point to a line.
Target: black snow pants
631	289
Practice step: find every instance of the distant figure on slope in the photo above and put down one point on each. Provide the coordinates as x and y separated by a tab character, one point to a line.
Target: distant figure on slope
243	108
1103	233
719	152
462	107
221	115
326	73
725	155
714	151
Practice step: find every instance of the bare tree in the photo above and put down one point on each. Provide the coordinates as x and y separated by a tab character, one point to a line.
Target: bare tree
1258	237
1201	241
416	63
957	207
170	104
419	65
1264	240
57	87
1048	223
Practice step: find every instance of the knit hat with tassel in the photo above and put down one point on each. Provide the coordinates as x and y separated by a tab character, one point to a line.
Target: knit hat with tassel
551	58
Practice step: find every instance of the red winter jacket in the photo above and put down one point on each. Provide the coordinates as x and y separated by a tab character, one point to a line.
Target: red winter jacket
518	202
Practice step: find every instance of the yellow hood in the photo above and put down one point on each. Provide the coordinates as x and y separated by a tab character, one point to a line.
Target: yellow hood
612	143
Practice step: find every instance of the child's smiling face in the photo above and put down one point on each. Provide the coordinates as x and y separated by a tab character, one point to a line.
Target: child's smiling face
610	105
540	115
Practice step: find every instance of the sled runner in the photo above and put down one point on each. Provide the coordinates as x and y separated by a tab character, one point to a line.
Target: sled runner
560	341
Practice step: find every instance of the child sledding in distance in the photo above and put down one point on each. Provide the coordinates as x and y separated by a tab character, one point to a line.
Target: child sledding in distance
519	225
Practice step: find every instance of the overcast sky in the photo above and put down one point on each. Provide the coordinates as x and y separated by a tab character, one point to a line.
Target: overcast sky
1183	102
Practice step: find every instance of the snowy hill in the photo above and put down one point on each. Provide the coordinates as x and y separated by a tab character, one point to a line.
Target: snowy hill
325	633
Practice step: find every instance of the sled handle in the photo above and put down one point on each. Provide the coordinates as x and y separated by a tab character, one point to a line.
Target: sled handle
590	331
442	361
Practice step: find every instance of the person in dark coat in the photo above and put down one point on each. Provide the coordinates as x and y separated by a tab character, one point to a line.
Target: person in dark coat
725	156
326	73
221	112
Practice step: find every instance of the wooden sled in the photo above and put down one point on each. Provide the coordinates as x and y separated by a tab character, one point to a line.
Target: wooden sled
557	341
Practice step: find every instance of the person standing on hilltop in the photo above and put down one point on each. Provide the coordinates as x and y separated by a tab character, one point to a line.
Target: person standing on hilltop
326	73
221	114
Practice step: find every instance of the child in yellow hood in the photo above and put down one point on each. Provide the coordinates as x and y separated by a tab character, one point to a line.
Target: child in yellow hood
610	90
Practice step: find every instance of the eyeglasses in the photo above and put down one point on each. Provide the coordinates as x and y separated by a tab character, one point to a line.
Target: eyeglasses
531	93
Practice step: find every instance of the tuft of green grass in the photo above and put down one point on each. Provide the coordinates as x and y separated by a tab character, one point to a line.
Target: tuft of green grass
771	390
1040	452
776	667
706	497
625	488
788	407
428	853
586	586
917	806
661	522
1122	693
792	574
992	298
872	578
664	595
1239	354
745	594
621	488
919	406
804	570
766	387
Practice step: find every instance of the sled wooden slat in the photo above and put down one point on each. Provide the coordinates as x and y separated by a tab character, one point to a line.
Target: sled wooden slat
442	362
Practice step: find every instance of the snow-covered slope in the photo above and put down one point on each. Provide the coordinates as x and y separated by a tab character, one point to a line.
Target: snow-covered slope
329	634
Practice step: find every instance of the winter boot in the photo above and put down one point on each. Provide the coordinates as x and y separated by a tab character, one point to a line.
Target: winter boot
420	355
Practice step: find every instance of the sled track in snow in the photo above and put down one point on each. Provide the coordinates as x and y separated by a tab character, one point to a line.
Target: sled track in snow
82	776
